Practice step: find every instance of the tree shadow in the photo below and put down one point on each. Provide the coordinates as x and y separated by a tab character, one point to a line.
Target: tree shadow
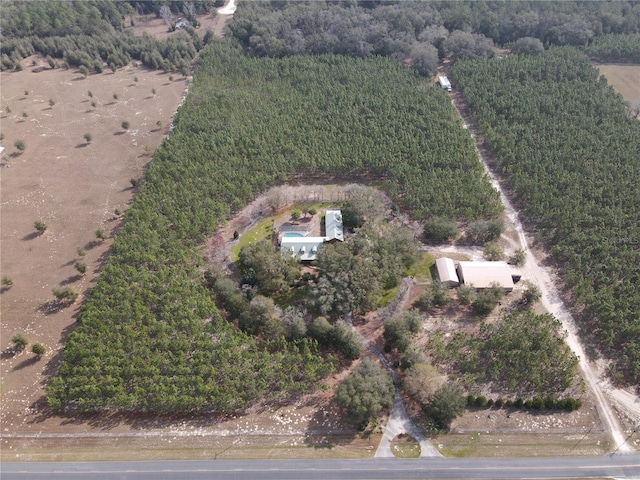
27	363
92	244
4	289
32	235
10	352
71	279
53	306
15	154
119	133
326	431
82	145
51	368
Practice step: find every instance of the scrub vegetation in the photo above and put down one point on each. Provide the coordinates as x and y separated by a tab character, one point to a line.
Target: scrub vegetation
522	354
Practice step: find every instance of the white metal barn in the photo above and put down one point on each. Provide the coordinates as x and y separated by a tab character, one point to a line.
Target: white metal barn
484	274
447	272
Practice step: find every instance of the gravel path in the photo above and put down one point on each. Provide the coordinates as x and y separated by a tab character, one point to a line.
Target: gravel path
399	421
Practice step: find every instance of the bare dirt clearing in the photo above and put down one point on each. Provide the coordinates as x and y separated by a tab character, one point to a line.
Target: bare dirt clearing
625	79
72	186
156	27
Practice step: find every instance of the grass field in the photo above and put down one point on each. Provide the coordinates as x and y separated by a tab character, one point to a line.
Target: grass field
482	444
199	447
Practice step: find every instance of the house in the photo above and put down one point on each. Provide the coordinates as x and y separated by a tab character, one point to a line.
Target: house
447	272
304	248
334	229
298	245
485	274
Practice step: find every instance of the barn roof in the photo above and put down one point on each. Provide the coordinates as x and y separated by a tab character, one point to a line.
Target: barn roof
484	274
333	224
447	271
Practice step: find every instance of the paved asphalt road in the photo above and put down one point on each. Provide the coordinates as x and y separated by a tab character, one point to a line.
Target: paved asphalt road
621	466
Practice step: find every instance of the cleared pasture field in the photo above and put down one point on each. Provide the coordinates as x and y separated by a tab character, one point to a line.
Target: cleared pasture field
625	79
72	186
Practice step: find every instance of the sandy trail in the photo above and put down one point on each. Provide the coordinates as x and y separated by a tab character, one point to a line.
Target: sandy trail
228	9
552	301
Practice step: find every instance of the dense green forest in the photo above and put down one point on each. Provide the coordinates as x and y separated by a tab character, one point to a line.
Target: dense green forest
616	47
149	336
92	34
566	147
421	32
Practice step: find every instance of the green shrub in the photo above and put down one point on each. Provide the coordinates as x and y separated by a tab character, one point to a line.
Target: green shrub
19	341
481	401
38	349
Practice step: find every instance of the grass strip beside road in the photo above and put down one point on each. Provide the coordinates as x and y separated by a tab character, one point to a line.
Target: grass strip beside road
191	447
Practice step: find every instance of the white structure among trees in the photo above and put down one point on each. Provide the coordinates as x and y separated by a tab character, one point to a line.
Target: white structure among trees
447	272
486	274
306	248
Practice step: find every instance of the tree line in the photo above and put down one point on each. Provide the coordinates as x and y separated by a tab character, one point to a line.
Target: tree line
567	149
421	33
88	34
616	48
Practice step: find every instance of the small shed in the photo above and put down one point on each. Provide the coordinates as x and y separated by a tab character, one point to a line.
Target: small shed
447	272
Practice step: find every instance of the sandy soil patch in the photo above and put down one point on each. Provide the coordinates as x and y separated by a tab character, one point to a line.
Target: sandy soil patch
625	79
73	187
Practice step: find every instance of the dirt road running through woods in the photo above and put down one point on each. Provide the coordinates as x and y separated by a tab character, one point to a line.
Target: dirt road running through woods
551	300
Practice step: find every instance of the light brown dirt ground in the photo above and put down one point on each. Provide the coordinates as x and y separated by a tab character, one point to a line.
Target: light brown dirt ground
74	188
625	79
